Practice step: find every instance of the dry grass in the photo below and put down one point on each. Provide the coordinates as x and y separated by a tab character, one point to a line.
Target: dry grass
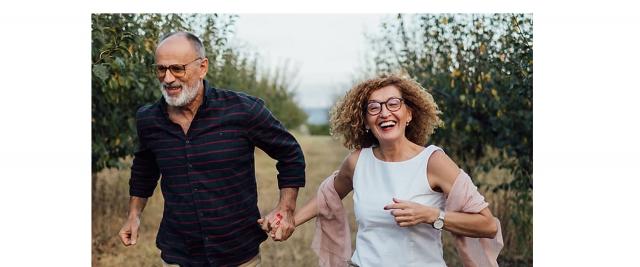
109	209
323	155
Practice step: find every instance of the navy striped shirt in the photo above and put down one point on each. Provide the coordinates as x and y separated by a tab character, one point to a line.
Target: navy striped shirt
208	176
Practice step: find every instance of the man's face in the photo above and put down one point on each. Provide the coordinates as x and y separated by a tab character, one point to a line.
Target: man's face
183	71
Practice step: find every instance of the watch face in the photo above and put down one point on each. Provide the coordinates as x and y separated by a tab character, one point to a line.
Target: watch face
438	224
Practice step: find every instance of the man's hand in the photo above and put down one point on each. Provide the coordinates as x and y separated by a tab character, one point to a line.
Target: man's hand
279	224
409	213
129	232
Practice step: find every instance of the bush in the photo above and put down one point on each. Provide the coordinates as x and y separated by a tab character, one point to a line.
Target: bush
319	129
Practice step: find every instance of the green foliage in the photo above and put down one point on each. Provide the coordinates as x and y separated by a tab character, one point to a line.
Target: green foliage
122	51
479	68
319	129
121	48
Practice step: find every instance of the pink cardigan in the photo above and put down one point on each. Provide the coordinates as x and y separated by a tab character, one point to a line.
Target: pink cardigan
332	239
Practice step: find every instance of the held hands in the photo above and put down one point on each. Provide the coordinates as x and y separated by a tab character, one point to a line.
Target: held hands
129	231
278	224
409	213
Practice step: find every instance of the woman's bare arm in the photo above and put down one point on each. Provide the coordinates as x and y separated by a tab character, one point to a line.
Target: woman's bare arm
343	184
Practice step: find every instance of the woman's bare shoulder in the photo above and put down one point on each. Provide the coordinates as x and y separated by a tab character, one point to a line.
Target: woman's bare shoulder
442	169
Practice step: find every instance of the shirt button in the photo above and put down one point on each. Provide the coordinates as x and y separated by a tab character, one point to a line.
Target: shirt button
201	214
190	166
188	142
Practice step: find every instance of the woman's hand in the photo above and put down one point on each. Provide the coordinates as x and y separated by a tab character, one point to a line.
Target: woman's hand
278	226
409	213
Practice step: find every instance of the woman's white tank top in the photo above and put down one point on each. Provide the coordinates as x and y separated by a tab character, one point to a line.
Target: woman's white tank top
379	240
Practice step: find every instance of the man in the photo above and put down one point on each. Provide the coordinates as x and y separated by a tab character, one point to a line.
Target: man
201	140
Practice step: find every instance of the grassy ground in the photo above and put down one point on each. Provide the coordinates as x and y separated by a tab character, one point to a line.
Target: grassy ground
323	155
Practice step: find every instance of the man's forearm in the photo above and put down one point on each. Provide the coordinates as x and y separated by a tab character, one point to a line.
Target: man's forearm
136	206
288	198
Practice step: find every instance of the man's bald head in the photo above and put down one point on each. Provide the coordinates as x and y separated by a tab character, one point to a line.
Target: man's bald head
198	47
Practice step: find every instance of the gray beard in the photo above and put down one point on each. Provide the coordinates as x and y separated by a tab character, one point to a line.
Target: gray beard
185	97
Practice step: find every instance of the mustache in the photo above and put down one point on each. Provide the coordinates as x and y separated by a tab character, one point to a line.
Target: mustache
174	84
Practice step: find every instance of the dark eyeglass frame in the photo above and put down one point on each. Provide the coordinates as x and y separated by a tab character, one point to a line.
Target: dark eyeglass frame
385	104
177	70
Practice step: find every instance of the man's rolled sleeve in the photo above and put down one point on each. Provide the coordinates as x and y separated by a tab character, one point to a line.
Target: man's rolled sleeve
272	137
144	171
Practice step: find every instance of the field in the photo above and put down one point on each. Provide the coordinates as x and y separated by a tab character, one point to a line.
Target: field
323	155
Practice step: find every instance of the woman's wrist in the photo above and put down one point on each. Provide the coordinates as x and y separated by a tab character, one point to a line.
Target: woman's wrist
433	215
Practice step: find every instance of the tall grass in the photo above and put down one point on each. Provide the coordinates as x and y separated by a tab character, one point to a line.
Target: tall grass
323	155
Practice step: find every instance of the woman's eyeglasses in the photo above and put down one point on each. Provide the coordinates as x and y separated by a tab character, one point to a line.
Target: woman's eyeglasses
393	104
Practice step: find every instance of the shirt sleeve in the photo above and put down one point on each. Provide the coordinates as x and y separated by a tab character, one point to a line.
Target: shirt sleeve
268	134
144	171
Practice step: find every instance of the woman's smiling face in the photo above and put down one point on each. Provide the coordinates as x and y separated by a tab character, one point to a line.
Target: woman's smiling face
389	124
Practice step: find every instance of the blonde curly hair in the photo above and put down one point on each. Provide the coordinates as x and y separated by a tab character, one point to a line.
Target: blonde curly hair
348	116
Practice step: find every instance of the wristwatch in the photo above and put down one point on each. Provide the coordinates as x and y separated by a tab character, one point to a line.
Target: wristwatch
439	222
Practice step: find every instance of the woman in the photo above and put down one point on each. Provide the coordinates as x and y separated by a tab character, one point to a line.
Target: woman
400	186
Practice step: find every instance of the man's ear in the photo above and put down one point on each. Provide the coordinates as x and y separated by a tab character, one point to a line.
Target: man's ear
204	67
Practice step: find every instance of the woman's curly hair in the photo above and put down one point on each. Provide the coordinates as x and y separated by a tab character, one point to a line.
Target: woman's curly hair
348	116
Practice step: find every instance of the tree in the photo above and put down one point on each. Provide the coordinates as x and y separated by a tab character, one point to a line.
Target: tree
479	68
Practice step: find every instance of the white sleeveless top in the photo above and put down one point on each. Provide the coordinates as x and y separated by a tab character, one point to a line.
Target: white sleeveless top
380	241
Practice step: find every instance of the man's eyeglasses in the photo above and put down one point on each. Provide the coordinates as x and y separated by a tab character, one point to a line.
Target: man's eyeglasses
393	104
177	70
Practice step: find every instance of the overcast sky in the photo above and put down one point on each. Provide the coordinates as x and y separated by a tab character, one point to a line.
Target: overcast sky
324	50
